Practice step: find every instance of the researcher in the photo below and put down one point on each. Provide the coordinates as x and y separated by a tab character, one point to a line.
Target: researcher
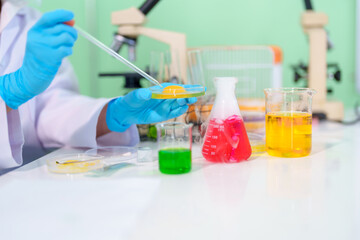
40	106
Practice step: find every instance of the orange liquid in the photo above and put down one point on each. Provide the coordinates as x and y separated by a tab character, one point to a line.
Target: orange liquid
288	134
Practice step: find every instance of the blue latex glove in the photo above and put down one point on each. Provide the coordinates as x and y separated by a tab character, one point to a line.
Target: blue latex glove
49	41
138	107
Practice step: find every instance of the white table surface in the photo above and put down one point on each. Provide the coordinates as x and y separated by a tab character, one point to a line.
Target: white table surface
315	197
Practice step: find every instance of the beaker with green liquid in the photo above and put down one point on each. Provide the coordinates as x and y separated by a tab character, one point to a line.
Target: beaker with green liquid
174	144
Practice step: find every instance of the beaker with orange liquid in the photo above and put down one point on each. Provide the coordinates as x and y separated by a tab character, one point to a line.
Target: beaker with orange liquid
288	121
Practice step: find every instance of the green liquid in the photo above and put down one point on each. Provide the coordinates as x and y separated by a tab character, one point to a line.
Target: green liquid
175	160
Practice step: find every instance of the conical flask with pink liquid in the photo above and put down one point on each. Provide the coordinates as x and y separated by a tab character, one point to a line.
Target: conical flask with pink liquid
226	139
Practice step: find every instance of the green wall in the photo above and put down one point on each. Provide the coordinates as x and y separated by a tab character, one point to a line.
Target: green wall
205	22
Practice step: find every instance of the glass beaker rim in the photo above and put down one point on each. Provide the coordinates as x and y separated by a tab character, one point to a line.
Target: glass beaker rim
290	90
173	124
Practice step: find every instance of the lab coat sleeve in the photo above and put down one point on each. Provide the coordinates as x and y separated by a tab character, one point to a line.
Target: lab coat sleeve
11	138
66	118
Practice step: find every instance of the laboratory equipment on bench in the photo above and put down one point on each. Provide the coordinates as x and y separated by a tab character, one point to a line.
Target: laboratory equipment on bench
226	139
130	26
313	25
100	160
288	121
255	67
174	144
301	73
162	67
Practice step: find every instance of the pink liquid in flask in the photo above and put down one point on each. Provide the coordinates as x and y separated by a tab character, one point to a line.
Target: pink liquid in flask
226	140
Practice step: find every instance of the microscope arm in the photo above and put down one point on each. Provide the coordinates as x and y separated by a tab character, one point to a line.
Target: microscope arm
130	23
147	6
308	5
159	35
313	24
131	16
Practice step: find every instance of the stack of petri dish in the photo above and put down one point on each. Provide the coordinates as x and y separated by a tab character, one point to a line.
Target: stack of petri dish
98	159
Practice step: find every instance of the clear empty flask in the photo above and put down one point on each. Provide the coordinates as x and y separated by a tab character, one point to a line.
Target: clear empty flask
226	139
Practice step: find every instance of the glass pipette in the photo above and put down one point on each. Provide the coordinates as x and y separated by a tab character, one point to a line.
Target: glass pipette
116	55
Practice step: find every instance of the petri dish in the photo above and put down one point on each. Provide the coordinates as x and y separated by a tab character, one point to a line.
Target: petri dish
159	93
74	163
114	154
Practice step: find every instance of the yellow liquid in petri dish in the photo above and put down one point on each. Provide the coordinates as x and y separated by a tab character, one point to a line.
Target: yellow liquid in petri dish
74	166
288	134
175	91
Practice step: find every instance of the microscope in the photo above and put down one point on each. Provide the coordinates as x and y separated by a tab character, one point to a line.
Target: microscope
316	72
130	24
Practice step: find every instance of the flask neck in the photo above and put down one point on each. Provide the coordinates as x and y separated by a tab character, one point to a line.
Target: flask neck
225	104
225	87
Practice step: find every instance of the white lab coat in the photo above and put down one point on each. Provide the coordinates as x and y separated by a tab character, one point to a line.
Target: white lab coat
59	116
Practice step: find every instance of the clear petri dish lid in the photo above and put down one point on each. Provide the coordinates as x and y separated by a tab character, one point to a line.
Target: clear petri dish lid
74	163
114	154
161	93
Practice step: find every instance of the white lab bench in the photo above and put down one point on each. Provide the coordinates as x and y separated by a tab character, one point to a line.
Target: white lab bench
315	197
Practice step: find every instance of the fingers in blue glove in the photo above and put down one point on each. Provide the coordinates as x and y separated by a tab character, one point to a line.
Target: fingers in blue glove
54	17
65	51
178	111
138	96
174	103
137	107
61	29
48	42
143	94
64	39
183	101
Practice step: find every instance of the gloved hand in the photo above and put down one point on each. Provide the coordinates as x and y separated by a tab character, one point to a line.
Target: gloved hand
138	107
49	41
